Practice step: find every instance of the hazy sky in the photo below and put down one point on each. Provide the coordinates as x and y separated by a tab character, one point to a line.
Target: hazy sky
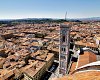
10	9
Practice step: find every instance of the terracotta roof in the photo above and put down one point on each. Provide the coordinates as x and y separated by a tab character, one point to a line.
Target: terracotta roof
97	63
88	44
89	75
31	70
4	74
73	66
86	58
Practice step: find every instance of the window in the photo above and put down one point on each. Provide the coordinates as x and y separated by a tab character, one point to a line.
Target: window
61	49
64	49
63	39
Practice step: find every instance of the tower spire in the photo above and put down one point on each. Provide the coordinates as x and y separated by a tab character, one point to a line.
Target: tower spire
66	15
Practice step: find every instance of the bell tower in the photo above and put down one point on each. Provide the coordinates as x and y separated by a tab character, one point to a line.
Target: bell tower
64	48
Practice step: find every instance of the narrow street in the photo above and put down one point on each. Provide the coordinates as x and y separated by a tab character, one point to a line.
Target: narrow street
50	71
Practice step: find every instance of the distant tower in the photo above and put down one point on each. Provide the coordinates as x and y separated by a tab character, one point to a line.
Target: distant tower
64	48
66	15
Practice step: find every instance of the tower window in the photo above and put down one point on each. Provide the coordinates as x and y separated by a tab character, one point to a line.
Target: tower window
64	49
63	38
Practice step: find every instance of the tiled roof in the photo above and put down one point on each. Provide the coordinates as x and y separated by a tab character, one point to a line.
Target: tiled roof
86	58
89	75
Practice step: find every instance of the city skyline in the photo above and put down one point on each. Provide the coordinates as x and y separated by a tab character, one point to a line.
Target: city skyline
18	9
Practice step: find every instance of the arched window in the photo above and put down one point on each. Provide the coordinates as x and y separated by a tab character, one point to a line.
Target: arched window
64	49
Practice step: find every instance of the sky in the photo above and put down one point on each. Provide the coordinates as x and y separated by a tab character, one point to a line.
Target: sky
18	9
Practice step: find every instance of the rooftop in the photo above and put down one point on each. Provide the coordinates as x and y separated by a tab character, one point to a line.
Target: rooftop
89	75
88	44
86	58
